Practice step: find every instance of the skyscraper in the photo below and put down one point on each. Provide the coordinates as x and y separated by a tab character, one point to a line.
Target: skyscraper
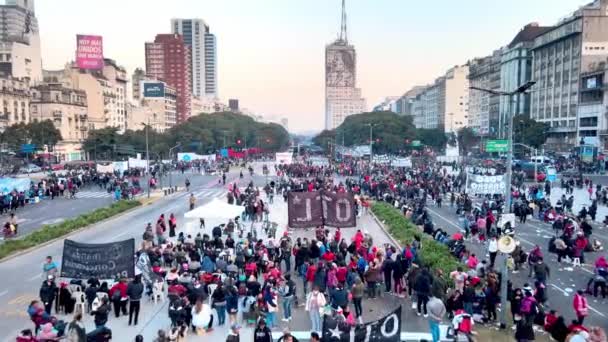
168	60
342	97
20	55
204	55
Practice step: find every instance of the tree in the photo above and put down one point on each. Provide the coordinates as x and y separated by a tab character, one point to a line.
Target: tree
434	138
324	138
528	131
39	133
466	139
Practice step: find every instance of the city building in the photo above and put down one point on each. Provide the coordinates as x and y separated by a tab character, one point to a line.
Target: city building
342	97
67	109
444	104
388	105
573	51
20	54
138	76
516	70
484	111
404	105
15	98
233	104
202	43
116	77
168	60
159	110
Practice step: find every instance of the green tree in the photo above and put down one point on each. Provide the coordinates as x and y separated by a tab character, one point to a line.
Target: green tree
324	139
466	140
39	133
528	131
434	138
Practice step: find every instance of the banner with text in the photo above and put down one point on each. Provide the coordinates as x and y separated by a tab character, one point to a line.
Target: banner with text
103	260
89	52
284	157
311	209
386	329
486	185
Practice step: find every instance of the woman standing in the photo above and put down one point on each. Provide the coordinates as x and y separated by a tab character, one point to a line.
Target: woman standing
201	317
219	303
580	306
314	304
172	225
357	292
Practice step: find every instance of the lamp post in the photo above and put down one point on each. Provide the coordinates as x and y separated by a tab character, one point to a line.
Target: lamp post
505	273
371	142
171	158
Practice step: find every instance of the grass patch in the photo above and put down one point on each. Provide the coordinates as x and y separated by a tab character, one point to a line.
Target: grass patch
433	254
50	232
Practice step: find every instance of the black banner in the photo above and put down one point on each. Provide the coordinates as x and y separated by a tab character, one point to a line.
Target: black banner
104	260
339	209
304	209
386	329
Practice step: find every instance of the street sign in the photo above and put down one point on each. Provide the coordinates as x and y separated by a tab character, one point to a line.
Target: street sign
497	146
28	148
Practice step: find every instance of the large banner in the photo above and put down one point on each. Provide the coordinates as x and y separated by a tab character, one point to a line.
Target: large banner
284	157
386	329
105	168
140	163
304	209
311	209
486	185
89	52
339	209
103	260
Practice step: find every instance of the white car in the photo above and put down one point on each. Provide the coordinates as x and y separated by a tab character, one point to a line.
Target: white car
30	168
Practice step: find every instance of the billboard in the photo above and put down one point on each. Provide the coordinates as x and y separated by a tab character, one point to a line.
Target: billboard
154	89
89	52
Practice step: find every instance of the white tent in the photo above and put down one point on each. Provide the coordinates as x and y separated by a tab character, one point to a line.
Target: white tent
216	209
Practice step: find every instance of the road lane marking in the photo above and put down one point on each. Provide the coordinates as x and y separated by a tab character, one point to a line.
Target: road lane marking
37	276
566	293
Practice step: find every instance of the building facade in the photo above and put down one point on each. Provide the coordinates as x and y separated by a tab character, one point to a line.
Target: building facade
444	104
564	57
67	109
15	97
159	111
483	107
168	60
20	54
116	98
405	104
138	76
202	44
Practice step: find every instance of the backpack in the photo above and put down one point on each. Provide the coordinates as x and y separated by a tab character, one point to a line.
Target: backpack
116	296
465	326
529	307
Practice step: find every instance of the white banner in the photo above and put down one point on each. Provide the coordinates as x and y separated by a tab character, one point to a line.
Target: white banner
402	162
120	166
105	168
140	163
284	157
487	185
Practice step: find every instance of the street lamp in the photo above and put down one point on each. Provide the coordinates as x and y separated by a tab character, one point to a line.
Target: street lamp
371	142
147	126
179	144
505	273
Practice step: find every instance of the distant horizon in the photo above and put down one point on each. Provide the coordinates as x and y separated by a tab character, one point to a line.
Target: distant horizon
271	52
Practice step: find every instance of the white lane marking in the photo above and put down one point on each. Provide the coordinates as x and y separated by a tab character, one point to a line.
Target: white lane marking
3	293
566	293
121	234
595	310
561	290
36	277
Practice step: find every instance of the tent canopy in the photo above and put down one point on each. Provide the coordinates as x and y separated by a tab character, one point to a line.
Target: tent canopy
216	209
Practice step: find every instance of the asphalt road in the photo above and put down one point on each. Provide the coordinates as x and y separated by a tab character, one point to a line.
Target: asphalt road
564	280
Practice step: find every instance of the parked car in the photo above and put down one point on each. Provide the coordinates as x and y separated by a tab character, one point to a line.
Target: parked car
30	168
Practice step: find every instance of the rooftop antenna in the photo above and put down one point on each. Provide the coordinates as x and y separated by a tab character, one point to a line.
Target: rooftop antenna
343	30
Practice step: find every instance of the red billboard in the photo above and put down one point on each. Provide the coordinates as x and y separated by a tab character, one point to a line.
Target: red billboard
89	52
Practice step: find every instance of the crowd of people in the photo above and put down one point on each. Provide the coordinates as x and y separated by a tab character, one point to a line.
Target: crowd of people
237	277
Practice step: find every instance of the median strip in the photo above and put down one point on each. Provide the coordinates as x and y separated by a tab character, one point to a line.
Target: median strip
50	232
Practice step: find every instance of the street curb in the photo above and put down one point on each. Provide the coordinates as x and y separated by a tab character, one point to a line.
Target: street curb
46	243
381	225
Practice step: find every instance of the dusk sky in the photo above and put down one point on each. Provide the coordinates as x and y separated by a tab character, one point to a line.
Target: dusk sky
270	52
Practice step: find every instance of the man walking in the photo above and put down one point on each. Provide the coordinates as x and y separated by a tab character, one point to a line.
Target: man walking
436	310
134	291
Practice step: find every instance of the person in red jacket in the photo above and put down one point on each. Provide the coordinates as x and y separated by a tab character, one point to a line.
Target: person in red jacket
310	275
579	303
358	239
338	235
118	294
341	274
329	256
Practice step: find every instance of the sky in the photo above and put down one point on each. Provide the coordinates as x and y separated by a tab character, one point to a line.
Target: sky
271	52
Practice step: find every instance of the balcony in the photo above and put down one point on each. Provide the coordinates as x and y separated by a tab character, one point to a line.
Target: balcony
57	114
84	128
83	116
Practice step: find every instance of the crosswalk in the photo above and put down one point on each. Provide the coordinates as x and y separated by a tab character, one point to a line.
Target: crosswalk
93	194
209	193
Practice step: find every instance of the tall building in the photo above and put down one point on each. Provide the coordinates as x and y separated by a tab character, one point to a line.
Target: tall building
342	97
483	107
233	104
444	104
562	58
516	70
168	60
67	109
404	105
202	44
388	105
138	76
20	55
